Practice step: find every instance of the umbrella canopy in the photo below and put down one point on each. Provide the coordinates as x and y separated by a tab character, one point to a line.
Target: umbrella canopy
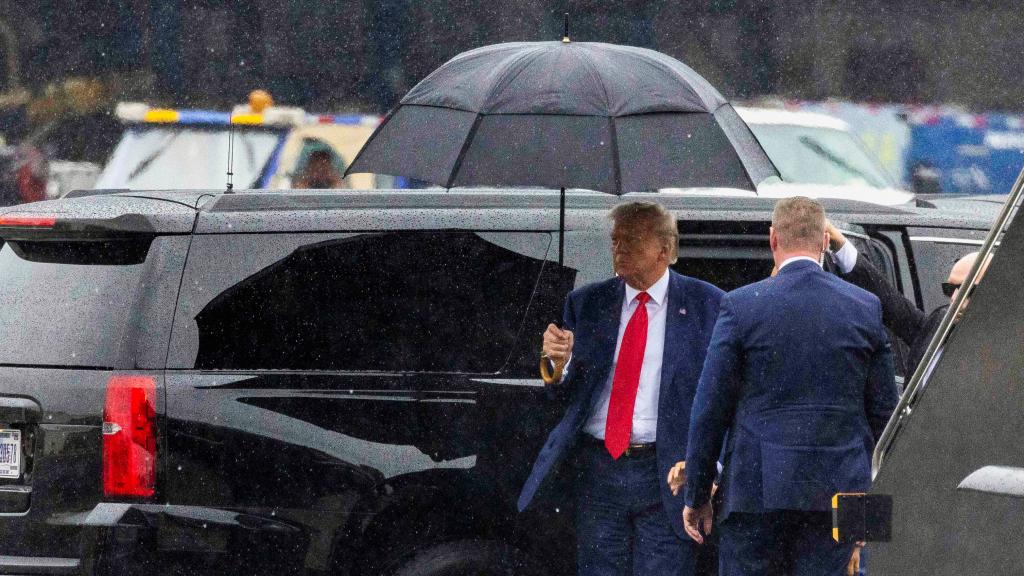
566	115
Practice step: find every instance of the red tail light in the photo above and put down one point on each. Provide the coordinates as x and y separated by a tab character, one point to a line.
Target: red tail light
129	437
28	221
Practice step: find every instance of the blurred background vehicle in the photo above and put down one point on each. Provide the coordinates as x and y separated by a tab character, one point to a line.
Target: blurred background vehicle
164	148
930	148
818	156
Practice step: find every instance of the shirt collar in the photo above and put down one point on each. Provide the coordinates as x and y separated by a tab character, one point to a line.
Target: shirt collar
795	258
657	291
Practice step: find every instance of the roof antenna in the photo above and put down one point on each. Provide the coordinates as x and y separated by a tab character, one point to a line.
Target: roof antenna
231	154
565	36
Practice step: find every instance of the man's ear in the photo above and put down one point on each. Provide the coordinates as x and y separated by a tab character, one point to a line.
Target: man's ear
773	240
824	245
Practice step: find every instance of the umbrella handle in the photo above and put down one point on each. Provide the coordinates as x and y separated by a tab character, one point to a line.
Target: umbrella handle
549	372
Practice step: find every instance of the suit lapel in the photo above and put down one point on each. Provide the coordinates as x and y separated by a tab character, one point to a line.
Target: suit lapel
675	320
606	331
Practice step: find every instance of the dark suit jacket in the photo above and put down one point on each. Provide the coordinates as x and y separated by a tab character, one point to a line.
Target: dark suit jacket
900	315
799	371
592	312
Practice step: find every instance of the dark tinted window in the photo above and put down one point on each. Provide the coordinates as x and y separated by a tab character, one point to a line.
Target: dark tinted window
726	273
934	260
404	301
71	303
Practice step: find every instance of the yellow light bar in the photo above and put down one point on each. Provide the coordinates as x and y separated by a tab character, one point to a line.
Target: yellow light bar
247	119
162	115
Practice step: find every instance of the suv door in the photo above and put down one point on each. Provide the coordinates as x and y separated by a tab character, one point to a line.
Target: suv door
368	388
935	252
880	248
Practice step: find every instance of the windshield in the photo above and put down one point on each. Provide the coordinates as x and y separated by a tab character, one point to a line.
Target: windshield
817	155
174	156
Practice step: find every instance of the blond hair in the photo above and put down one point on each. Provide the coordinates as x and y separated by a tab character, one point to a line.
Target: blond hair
655	218
799	223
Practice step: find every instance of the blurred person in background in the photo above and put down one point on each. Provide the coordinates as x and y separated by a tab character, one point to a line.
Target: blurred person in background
319	172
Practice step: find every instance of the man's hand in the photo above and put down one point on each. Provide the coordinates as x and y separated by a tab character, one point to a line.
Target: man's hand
677	477
558	345
853	567
836	240
696	520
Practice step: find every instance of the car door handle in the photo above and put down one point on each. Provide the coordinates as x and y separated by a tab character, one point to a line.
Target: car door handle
1001	480
18	410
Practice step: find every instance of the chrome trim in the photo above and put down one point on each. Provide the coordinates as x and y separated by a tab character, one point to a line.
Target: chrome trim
941	240
38	565
1000	480
912	392
531	382
853	234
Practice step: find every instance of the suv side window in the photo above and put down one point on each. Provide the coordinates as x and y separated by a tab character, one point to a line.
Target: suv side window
95	303
416	301
935	252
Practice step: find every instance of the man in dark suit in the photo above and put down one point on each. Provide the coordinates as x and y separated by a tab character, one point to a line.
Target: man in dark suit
632	347
799	372
900	315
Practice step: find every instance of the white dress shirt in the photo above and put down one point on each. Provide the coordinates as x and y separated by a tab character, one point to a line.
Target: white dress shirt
645	410
846	257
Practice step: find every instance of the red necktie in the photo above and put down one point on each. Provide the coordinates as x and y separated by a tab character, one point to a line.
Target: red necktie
626	380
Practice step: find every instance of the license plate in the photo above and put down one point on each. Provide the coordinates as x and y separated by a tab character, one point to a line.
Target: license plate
10	453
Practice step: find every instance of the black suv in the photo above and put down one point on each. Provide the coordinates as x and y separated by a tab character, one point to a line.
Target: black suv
332	383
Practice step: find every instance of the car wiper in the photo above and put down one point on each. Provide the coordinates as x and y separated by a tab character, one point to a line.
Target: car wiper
148	160
827	154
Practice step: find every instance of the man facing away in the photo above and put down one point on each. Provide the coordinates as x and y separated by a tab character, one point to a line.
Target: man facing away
632	347
905	319
800	372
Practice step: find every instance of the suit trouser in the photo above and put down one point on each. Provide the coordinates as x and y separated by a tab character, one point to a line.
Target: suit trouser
621	525
781	542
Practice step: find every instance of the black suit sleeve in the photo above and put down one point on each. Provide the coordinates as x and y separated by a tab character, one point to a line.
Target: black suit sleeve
880	393
924	336
898	314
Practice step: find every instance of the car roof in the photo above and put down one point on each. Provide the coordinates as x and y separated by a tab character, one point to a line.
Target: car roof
480	209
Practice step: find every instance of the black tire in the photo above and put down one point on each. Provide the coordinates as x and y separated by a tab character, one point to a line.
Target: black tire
468	558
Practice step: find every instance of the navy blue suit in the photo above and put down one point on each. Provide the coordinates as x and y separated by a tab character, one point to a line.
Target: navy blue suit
800	373
593	313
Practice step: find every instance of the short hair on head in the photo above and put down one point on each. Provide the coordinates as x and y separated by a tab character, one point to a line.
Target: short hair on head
799	223
321	155
657	219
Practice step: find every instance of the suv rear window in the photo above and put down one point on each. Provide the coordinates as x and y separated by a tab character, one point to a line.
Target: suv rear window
429	301
77	303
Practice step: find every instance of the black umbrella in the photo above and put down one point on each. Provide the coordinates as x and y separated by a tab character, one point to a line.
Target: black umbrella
566	115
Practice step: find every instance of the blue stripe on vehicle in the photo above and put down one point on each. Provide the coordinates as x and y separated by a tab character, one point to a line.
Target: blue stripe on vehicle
272	164
203	117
